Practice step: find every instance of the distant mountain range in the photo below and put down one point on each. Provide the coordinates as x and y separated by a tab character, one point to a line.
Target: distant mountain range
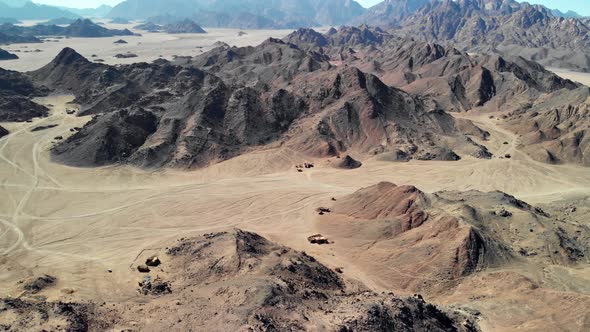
100	11
25	10
10	33
245	13
505	27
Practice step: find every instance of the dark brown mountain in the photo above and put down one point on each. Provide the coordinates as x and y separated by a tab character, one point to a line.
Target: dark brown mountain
3	131
16	91
5	55
178	115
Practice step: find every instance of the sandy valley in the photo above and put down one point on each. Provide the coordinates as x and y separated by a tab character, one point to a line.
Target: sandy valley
89	227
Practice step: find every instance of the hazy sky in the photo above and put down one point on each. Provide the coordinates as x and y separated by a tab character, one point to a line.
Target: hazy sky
581	6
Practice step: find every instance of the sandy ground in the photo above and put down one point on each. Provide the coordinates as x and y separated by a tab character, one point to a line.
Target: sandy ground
148	46
77	224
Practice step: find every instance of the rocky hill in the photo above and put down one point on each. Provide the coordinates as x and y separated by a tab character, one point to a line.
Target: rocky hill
241	281
184	26
555	129
5	55
481	232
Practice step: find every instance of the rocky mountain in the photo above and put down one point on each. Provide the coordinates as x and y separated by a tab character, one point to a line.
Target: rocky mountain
245	14
79	28
184	26
567	14
5	55
459	81
16	91
389	13
198	113
27	10
504	27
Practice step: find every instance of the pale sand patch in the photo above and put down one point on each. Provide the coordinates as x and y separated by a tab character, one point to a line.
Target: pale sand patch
575	76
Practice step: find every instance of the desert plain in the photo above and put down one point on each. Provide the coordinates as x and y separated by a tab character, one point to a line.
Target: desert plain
91	227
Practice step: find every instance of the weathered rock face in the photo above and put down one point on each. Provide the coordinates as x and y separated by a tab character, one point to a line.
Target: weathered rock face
16	91
184	26
107	139
201	118
356	111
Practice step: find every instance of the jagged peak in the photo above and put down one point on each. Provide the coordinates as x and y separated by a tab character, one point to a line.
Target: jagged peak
68	56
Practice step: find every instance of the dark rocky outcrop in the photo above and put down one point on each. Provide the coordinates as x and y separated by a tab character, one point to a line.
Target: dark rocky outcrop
184	26
3	132
349	163
16	91
285	91
5	55
458	80
286	286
